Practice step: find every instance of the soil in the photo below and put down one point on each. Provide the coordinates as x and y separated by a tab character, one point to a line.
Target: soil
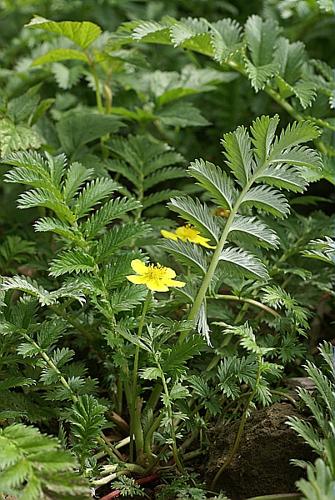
262	464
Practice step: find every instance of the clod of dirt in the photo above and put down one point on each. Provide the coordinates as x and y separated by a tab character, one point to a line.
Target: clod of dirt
262	463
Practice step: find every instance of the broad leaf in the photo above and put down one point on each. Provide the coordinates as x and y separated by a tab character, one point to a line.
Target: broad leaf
81	33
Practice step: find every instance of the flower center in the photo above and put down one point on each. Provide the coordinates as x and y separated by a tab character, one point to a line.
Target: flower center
157	272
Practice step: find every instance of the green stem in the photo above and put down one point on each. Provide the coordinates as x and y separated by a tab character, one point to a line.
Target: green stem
100	439
240	430
247	301
170	415
195	309
135	423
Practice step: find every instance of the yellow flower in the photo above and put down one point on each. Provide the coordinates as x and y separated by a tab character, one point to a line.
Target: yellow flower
187	233
155	277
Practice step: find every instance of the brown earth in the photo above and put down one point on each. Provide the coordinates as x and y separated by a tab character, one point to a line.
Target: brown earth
262	464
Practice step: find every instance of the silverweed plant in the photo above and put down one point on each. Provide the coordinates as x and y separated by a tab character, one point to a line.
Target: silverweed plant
142	301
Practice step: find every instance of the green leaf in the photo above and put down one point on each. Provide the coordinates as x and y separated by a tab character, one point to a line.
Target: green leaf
215	181
306	91
80	127
301	156
197	214
294	134
156	198
81	33
263	131
22	107
239	154
44	198
226	39
127	298
37	466
165	174
56	55
117	237
321	249
17	137
76	175
93	194
285	177
71	261
291	58
267	199
181	114
261	38
243	262
151	32
86	419
28	286
46	224
113	209
251	226
187	253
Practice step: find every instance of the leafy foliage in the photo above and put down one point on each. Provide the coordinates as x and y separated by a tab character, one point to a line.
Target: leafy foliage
34	466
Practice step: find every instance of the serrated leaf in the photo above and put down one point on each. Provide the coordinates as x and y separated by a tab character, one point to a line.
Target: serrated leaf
81	33
17	137
165	174
261	38
243	262
155	198
29	286
267	199
226	38
188	254
250	226
56	55
93	194
71	261
76	175
238	152
197	214
263	131
117	237
151	32
294	134
127	298
80	127
110	211
282	176
215	181
47	224
181	114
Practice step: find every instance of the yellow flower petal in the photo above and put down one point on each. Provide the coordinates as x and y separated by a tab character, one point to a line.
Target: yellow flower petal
200	240
137	280
169	273
156	286
175	283
169	235
138	266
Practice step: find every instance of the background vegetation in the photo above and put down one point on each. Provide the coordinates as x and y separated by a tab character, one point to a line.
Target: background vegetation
198	136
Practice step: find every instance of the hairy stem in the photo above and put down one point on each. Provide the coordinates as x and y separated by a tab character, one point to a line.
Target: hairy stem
170	415
255	303
135	423
195	309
